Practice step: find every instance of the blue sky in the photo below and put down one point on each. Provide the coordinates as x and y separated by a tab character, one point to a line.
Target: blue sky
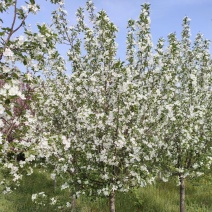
166	16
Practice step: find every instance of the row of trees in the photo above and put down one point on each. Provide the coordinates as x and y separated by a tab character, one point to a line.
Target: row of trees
110	125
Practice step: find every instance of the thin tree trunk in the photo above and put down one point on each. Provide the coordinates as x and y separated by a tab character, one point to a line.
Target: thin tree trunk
112	202
182	193
55	184
73	203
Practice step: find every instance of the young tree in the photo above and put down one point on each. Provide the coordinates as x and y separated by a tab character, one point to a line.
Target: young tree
185	111
95	124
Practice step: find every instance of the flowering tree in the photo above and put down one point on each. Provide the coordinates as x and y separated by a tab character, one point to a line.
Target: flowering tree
96	128
185	87
17	88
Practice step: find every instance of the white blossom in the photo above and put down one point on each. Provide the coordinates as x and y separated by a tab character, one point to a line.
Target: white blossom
8	53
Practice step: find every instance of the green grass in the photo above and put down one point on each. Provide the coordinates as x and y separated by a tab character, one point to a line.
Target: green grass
160	197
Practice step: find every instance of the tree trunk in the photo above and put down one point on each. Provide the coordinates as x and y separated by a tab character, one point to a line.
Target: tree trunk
182	193
112	202
55	184
73	203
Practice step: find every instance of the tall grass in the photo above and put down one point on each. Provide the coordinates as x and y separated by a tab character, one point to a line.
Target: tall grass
160	197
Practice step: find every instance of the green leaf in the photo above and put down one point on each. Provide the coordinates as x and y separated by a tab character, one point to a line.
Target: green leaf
7	101
25	61
15	75
8	112
2	33
6	29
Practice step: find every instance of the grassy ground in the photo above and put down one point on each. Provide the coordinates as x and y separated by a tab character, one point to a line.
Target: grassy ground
161	197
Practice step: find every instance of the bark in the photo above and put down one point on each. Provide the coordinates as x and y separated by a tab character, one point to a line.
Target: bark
182	193
55	184
73	203
112	202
